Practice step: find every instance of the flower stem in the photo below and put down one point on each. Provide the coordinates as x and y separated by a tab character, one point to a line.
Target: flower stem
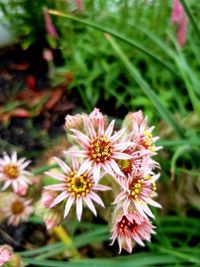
65	238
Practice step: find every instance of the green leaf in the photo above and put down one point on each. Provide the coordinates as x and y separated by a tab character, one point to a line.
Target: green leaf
164	113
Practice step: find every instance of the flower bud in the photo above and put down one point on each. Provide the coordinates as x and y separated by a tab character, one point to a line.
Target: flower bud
48	197
5	254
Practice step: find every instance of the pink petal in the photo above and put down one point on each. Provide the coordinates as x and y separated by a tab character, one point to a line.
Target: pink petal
138	240
59	199
119	198
58	176
110	129
123	146
63	165
75	163
121	155
96	198
14	157
79	208
90	205
91	129
56	187
68	206
25	164
117	135
126	205
96	172
82	139
6	185
84	167
116	168
108	169
101	187
154	203
101	127
76	153
129	244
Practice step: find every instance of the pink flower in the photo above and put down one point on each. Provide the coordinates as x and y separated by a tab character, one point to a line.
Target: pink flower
50	28
97	118
141	133
17	209
131	228
52	219
80	5
179	18
48	197
13	173
74	122
5	254
101	149
75	188
139	189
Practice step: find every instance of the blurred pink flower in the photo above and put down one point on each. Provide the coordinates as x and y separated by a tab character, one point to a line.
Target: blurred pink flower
179	18
131	228
101	149
50	28
75	188
13	173
80	5
17	209
5	254
48	197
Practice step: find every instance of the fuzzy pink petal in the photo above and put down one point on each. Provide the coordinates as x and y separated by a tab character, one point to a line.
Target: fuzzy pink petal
116	168
108	169
76	153
117	135
109	130
154	203
59	199
25	164
82	139
90	205
14	157
58	176
123	146
86	165
91	129
121	155
56	187
138	240
79	208
100	187
63	165
75	163
6	185
68	206
96	172
97	199
129	244
101	127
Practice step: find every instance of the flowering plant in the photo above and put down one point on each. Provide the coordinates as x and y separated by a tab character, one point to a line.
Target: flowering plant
102	159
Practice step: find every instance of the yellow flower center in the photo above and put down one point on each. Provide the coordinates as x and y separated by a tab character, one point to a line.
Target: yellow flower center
11	171
17	207
139	185
100	149
125	165
78	186
148	141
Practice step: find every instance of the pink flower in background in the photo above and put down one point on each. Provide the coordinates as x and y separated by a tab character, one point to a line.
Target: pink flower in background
17	209
131	228
101	149
139	189
48	197
80	5
78	188
5	254
13	173
50	28
179	18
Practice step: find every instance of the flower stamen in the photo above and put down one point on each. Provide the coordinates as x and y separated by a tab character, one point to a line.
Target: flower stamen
100	149
11	171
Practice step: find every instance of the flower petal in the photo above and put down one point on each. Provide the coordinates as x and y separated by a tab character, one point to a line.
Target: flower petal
86	165
79	208
59	199
96	198
81	138
90	205
109	130
58	176
63	165
68	206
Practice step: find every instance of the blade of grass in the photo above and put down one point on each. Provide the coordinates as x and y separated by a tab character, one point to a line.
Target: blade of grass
190	16
115	34
165	114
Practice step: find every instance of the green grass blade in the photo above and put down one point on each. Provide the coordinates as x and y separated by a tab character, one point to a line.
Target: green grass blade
165	114
115	34
190	16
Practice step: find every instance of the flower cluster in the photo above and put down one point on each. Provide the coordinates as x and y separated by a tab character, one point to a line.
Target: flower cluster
15	181
103	159
8	258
